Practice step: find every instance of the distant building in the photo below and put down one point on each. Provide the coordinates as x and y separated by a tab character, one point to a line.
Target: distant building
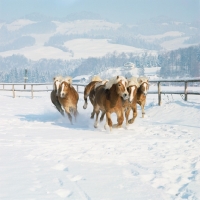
80	79
129	65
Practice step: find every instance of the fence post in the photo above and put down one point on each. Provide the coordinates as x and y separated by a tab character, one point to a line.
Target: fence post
3	86
13	90
32	91
77	88
159	94
185	91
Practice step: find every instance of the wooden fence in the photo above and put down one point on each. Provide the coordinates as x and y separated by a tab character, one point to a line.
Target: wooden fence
13	88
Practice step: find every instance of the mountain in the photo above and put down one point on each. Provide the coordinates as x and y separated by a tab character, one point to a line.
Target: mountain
85	42
85	34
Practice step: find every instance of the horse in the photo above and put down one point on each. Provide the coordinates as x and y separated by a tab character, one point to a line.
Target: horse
68	98
131	103
109	99
142	92
54	94
88	89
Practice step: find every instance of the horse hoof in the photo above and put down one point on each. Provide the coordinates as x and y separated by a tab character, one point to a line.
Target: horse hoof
130	121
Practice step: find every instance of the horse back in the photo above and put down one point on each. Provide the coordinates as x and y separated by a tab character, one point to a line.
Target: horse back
89	87
107	99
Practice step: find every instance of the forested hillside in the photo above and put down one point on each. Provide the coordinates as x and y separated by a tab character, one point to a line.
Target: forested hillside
174	64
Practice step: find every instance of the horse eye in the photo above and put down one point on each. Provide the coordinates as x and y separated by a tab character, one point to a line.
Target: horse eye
119	85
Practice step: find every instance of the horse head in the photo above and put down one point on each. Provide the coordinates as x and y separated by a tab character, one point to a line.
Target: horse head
133	85
65	85
144	85
56	83
121	84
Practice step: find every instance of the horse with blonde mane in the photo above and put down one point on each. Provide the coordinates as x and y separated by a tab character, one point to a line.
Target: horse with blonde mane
131	103
109	99
68	98
88	89
142	93
54	94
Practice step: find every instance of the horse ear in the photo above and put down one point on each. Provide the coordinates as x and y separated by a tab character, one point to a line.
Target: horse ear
117	77
54	78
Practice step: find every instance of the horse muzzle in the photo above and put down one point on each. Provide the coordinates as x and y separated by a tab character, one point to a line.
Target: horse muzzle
125	96
145	93
62	95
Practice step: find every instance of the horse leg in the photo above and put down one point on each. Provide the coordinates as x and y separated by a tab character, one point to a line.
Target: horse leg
106	124
102	116
120	119
127	112
59	107
96	120
85	104
142	106
75	113
108	120
68	114
134	108
92	114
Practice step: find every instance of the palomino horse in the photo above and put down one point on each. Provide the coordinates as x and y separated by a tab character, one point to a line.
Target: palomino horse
142	92
92	94
109	99
88	89
131	103
54	94
68	98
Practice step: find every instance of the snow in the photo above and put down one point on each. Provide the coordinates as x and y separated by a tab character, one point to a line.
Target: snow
79	48
43	156
152	38
85	48
83	26
16	25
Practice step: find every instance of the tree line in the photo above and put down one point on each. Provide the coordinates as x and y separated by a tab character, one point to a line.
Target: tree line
178	63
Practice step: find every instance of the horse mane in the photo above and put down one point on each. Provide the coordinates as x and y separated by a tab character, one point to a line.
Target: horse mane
114	81
58	78
142	79
133	81
96	78
100	83
68	79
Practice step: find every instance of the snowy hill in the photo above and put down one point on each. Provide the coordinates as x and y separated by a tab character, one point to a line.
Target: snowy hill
38	37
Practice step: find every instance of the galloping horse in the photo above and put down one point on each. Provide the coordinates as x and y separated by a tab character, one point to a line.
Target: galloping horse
88	89
54	94
68	98
131	103
142	93
109	99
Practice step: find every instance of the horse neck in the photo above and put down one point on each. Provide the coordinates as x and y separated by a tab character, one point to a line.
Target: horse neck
114	97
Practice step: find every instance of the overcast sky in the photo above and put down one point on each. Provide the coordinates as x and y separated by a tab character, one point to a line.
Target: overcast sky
125	11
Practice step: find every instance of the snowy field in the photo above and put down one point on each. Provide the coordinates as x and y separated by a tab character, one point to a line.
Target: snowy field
43	156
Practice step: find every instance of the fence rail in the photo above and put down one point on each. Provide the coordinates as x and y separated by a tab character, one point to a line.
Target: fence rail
77	85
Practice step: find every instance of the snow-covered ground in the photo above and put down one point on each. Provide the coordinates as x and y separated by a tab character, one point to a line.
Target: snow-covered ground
43	156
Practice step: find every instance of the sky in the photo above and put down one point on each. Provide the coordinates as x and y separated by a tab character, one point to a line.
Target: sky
115	10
